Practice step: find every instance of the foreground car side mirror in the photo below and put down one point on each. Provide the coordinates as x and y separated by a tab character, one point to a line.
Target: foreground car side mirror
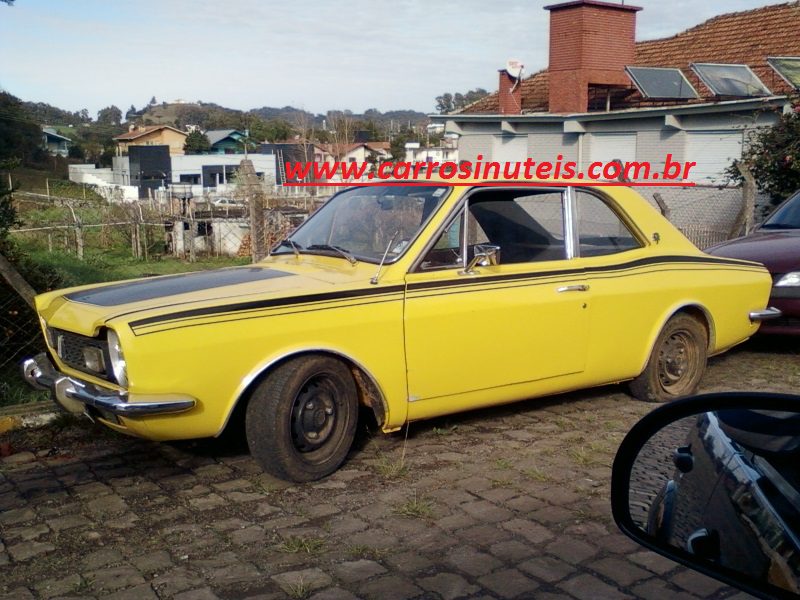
713	482
485	255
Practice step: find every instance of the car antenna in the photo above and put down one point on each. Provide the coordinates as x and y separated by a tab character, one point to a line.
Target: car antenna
374	280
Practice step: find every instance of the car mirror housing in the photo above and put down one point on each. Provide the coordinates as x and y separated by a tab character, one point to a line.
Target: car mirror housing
713	482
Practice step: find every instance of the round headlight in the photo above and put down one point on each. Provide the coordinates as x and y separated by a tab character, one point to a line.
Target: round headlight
789	280
117	358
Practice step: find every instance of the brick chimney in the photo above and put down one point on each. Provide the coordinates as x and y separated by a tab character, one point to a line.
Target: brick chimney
590	44
510	94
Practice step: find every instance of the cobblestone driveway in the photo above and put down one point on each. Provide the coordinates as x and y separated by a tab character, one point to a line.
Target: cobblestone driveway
503	503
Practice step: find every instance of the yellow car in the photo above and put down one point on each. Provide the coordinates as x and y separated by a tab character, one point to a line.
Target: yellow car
414	300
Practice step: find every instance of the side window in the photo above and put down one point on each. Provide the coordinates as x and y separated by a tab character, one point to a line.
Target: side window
528	227
600	230
446	253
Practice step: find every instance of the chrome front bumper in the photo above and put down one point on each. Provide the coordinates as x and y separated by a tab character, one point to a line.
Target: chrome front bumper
74	395
765	315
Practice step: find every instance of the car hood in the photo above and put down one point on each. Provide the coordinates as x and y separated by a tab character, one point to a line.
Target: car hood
779	251
86	309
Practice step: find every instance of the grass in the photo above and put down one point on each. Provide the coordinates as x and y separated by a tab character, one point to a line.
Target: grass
391	469
14	391
299	590
100	266
537	474
503	463
584	456
444	431
302	545
416	507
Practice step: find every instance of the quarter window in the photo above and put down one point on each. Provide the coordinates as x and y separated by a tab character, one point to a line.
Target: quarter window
600	230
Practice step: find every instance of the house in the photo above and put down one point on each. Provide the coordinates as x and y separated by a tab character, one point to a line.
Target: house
153	135
604	96
226	141
447	151
55	143
362	152
147	169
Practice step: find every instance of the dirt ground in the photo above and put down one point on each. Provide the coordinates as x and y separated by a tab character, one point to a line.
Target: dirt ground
503	503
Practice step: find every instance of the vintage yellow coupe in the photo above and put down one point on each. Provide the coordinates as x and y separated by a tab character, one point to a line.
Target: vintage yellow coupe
412	300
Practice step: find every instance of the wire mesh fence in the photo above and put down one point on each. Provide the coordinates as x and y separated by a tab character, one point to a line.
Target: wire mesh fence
705	215
19	334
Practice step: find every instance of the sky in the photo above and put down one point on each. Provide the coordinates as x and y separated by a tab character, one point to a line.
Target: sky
314	54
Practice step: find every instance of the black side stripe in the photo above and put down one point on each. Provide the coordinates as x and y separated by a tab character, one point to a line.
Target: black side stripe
583	271
272	303
426	285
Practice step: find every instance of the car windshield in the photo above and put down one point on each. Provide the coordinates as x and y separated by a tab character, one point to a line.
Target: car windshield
786	217
361	223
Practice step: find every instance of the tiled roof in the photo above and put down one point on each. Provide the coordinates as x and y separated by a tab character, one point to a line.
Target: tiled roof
746	37
137	133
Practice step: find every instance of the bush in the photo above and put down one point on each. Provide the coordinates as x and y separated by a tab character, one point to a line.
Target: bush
773	156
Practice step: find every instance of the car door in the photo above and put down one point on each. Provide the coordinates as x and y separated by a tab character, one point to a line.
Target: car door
521	320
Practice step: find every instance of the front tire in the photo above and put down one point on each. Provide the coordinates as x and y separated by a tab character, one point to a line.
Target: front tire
676	364
301	420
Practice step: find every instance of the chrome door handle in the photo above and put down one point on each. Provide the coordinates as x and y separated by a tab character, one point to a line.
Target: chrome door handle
573	288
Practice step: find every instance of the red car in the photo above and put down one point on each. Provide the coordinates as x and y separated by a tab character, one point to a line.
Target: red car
776	244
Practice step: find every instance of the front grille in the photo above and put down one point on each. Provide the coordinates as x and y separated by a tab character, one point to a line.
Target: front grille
70	346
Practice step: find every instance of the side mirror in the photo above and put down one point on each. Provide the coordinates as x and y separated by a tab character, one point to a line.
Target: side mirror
485	255
713	482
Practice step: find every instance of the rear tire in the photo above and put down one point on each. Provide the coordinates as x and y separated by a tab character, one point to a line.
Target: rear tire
676	364
301	420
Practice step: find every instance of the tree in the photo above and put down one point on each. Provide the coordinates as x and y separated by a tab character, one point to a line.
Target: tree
398	144
772	154
197	143
342	131
76	151
444	103
448	102
153	101
8	215
20	136
111	115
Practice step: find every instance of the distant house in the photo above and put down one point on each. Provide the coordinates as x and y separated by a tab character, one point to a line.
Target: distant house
446	152
361	151
226	141
55	143
155	135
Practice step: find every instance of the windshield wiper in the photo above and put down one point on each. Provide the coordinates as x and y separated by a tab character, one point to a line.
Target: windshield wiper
293	245
350	258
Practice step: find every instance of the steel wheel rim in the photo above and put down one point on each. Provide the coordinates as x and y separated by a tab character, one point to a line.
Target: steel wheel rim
677	362
314	414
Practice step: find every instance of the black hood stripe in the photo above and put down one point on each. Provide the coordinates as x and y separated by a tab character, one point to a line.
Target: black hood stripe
272	303
171	285
429	285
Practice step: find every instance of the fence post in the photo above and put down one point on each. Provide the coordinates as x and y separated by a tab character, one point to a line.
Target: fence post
749	196
192	237
17	281
744	220
662	206
78	232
